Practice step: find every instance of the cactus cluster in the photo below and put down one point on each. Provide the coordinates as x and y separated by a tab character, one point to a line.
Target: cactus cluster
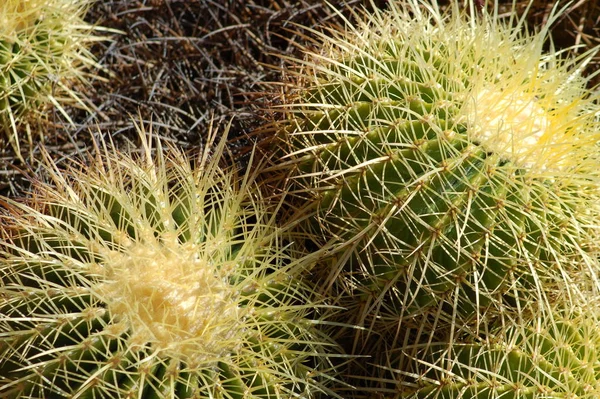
157	277
43	50
426	227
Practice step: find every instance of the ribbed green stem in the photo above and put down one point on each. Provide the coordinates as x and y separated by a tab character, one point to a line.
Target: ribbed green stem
558	361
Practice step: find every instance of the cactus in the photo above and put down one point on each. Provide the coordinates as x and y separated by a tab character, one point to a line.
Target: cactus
448	162
43	50
154	277
554	356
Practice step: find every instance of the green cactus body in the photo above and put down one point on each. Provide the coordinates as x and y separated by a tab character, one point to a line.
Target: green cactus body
449	162
152	278
552	357
43	50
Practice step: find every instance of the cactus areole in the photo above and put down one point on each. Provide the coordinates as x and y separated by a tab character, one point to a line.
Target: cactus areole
452	156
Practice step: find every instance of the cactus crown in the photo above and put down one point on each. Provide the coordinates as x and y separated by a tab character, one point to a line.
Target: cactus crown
18	15
433	64
149	276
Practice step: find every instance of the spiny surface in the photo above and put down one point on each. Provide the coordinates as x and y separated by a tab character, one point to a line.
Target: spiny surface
553	356
153	276
44	49
450	163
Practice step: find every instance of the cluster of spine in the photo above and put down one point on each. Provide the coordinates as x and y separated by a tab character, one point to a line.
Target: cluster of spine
43	51
156	277
447	170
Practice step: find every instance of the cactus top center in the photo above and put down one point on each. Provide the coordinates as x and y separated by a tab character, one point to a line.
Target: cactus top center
172	300
18	15
513	125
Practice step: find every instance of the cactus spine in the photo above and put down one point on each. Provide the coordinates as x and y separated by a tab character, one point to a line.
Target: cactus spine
43	50
153	278
450	163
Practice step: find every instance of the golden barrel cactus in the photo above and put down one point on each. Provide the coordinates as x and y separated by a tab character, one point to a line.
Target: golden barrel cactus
449	164
154	276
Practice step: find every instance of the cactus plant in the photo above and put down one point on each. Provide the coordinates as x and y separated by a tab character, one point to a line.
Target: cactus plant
43	50
450	164
157	277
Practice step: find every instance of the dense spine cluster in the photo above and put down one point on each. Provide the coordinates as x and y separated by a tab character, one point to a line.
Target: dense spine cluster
154	277
44	49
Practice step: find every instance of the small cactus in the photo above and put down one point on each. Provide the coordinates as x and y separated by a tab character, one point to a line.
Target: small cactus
450	164
153	277
43	49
